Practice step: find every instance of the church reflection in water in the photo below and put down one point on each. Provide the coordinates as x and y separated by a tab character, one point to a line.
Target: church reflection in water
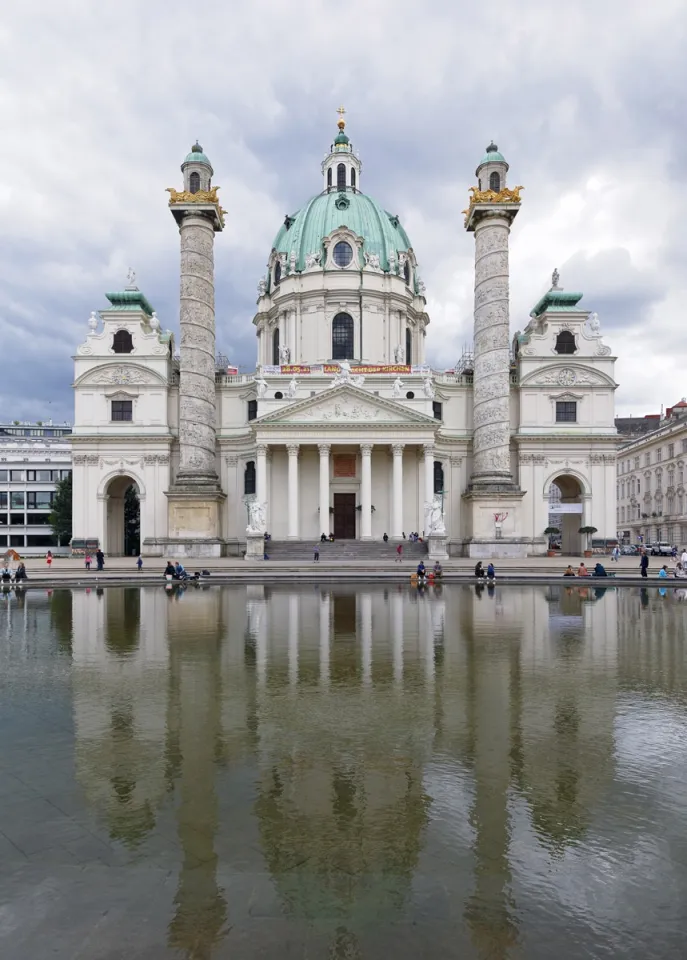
368	749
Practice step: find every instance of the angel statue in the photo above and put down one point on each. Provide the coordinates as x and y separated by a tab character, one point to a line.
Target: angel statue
292	388
399	353
284	354
555	277
428	388
256	517
262	387
397	390
131	277
435	517
594	325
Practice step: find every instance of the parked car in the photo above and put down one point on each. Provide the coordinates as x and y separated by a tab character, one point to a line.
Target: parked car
630	550
661	549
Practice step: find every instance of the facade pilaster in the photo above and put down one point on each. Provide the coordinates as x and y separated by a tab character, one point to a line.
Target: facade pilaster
261	473
397	492
428	452
324	449
366	491
293	491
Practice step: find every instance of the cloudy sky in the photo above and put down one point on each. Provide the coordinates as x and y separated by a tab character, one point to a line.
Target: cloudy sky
100	102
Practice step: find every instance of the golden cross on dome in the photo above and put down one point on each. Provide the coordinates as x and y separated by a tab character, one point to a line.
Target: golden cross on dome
341	122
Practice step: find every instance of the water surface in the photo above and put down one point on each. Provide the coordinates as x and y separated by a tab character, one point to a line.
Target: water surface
343	773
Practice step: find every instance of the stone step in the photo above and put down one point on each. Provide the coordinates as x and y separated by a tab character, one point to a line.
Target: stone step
343	550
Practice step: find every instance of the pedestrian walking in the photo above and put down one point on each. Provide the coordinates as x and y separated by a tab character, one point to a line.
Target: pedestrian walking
644	564
48	559
88	560
316	552
399	552
615	553
683	558
139	563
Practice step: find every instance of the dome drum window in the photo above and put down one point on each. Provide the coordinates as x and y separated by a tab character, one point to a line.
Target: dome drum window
341	176
342	253
495	182
342	337
194	182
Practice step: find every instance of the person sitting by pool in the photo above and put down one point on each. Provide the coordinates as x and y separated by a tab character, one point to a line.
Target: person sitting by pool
479	570
169	570
569	572
331	537
421	570
679	572
180	572
6	574
663	572
437	570
599	570
20	573
491	572
582	570
385	538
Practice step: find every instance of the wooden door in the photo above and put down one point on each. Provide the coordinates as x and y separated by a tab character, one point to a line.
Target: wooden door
344	516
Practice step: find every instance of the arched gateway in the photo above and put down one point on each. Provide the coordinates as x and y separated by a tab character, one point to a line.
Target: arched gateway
122	517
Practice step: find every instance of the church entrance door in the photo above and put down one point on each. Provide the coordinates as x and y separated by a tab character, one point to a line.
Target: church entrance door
344	516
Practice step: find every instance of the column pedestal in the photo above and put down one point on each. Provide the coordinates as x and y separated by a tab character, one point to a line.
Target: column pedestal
484	541
255	547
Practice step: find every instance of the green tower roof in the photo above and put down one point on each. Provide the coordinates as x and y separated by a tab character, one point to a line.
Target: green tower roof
492	155
196	155
382	232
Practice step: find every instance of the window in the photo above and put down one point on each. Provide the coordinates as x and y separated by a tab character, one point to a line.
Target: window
437	410
17	540
647	459
342	337
3	476
680	479
343	253
16	476
406	273
39	499
278	395
64	474
41	540
409	347
42	476
275	348
16	519
194	182
438	477
122	410
659	482
671	451
277	273
353	177
122	342
252	409
3	499
329	178
684	446
38	519
636	463
566	411
341	177
495	182
249	478
16	500
410	395
565	342
659	455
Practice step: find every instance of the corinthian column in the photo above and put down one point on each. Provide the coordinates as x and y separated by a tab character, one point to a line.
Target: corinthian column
197	413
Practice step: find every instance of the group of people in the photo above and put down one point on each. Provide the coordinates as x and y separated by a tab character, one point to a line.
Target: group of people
679	572
99	559
482	574
582	571
8	575
176	571
436	573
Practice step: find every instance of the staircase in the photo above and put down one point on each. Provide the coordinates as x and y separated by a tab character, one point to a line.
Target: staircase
363	550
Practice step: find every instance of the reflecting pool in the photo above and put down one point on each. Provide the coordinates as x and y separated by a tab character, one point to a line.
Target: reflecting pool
343	772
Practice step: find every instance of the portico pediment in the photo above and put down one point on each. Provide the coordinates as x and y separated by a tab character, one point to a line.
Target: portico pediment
347	405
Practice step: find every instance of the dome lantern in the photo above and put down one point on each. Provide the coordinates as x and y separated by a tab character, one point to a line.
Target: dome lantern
197	170
340	167
492	169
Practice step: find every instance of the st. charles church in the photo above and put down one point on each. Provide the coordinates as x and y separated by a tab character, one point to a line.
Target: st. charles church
344	427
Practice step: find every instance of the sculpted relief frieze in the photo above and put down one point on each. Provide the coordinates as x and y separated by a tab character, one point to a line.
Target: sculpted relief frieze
345	411
566	377
123	375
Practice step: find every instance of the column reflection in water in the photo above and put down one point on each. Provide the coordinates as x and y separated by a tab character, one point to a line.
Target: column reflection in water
397	635
293	638
325	629
366	637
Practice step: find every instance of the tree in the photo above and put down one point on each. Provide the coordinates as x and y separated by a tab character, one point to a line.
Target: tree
60	518
588	532
132	521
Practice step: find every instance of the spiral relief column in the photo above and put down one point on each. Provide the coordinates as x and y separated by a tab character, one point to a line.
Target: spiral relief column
195	496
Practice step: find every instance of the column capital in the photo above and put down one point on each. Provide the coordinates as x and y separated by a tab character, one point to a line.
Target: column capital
293	449
262	449
324	449
397	449
366	449
428	449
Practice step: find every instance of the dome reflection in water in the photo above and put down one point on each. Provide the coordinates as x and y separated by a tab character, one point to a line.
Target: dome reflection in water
340	772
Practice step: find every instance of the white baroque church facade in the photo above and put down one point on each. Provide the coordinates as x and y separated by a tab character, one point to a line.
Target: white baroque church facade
344	427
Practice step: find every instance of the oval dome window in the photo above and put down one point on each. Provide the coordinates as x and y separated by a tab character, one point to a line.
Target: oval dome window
343	253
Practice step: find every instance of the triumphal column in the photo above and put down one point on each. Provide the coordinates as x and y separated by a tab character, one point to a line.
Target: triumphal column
493	496
195	498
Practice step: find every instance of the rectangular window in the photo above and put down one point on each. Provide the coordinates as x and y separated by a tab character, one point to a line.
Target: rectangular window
3	499
684	446
17	540
3	476
3	519
16	519
41	540
37	519
437	410
64	474
647	459
659	455
122	410
671	451
16	476
16	500
3	540
30	476
39	499
566	411
252	409
636	463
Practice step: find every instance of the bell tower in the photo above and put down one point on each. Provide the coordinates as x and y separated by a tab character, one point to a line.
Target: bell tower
341	168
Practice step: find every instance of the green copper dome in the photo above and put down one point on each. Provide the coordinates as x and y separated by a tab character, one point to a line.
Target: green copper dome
196	155
307	229
492	155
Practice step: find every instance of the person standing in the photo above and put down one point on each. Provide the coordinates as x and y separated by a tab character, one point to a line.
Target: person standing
316	552
615	553
683	558
88	560
99	558
399	552
139	563
644	564
48	559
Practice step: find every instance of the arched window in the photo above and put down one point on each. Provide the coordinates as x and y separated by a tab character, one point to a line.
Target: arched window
342	337
341	176
406	273
122	342
277	273
495	182
194	182
329	178
409	347
353	177
249	478
438	477
565	342
342	253
275	348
